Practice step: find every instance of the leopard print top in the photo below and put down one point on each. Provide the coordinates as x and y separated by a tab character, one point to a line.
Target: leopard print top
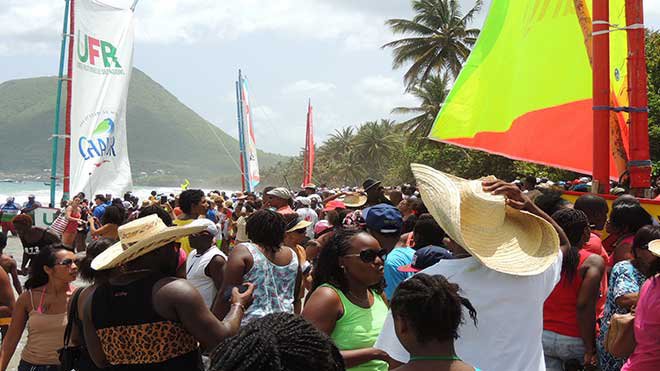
145	343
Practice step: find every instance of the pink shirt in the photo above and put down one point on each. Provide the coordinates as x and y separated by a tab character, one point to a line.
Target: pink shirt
646	356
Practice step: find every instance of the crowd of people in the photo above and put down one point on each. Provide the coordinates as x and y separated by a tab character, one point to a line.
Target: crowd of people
449	274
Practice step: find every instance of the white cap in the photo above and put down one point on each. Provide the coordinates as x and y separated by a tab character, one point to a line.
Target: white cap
280	192
211	227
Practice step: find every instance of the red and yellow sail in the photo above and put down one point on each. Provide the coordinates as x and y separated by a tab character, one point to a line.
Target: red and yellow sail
526	90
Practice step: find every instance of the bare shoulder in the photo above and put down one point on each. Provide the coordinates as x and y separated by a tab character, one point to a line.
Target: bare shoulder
326	296
595	261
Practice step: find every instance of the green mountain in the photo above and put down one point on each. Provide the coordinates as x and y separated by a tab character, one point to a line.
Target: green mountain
167	141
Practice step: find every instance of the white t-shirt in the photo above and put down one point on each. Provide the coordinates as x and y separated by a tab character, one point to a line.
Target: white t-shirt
509	316
195	266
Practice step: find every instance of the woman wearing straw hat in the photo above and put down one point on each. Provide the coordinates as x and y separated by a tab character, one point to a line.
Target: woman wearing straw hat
145	301
646	356
507	260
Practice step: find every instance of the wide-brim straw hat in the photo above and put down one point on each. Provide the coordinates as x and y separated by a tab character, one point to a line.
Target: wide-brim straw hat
502	238
141	237
354	200
654	247
300	225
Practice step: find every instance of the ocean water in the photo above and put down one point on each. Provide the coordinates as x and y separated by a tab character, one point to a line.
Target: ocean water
21	190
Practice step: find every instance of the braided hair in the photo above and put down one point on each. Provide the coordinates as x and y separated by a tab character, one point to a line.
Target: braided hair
432	306
266	228
328	269
277	342
573	222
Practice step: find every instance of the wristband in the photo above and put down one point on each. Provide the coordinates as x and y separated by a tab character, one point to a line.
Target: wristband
239	305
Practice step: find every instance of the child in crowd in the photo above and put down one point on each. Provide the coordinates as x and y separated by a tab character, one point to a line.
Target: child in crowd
427	311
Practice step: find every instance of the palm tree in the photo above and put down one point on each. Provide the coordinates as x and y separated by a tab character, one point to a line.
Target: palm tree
439	39
432	93
375	143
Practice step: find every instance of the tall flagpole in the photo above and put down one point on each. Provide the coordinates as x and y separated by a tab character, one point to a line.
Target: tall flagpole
67	138
56	126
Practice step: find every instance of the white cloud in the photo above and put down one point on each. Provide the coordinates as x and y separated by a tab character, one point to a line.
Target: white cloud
264	114
382	94
34	26
306	86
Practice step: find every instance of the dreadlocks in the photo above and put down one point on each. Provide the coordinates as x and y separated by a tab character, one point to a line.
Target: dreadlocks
432	306
277	342
574	223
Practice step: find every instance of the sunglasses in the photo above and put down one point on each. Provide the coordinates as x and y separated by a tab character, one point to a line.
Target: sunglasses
370	255
301	231
67	262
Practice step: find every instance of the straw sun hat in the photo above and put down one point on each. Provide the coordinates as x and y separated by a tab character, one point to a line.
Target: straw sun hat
354	200
141	237
502	238
654	247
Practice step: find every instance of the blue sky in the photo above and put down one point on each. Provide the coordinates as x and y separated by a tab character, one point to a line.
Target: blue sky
291	50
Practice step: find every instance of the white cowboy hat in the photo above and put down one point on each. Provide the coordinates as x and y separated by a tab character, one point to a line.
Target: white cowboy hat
502	238
654	247
141	237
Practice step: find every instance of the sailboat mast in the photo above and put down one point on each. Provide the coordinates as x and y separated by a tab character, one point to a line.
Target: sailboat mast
240	131
601	96
67	138
242	134
640	160
56	126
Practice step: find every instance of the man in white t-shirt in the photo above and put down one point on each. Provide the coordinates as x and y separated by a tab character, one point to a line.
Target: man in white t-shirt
205	263
508	297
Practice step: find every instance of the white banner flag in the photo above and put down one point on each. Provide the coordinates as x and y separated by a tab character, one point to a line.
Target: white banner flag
102	63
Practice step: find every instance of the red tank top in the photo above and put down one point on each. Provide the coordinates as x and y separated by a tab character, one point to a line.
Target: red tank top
560	308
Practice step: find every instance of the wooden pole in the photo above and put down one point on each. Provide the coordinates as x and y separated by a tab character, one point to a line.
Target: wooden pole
640	160
601	96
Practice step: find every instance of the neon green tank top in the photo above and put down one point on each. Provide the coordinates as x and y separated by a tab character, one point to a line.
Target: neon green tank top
358	328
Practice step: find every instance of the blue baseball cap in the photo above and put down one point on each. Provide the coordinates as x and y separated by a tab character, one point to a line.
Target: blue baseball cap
383	218
426	257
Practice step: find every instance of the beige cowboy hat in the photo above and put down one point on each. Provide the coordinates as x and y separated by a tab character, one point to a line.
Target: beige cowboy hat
354	200
302	224
502	238
654	247
141	237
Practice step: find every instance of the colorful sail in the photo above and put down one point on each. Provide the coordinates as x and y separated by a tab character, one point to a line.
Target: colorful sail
247	142
526	90
309	148
102	65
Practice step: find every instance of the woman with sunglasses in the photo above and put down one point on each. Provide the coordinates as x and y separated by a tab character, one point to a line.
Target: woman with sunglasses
626	280
347	301
42	307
